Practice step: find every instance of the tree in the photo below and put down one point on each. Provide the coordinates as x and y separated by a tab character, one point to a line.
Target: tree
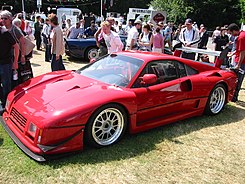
176	9
242	6
209	12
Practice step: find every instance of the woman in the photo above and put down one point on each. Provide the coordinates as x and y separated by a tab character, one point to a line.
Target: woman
221	40
158	41
146	38
57	44
28	29
112	39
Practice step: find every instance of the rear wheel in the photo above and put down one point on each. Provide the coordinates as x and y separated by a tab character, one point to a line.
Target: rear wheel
91	53
106	126
216	100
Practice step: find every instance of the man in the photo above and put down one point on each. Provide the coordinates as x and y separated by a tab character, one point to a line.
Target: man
204	39
189	37
16	33
167	34
7	42
133	34
90	31
46	39
75	31
112	39
37	34
239	56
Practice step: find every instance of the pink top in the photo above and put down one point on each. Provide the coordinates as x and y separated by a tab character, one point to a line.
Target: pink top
158	40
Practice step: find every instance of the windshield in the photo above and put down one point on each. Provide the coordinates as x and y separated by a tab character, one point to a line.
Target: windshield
113	69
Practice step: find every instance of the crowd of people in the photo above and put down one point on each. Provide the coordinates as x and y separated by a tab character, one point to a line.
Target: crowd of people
140	36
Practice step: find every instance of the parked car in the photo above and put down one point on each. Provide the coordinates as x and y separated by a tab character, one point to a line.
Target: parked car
58	112
87	49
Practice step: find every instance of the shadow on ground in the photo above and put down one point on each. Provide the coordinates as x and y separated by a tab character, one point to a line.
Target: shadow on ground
35	65
134	145
1	141
74	60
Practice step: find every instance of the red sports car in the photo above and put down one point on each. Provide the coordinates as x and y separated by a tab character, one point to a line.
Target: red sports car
58	112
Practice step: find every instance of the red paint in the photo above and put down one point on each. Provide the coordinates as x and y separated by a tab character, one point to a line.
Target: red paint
61	103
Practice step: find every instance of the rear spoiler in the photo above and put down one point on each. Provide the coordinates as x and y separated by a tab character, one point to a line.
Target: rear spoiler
219	59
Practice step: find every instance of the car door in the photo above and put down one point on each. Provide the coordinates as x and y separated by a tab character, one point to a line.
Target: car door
163	99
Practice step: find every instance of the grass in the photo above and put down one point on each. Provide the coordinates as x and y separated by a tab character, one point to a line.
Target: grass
198	150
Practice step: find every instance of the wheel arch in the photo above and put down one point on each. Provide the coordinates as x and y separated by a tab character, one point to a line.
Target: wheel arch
226	88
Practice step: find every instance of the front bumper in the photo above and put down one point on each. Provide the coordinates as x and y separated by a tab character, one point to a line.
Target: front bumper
53	150
39	158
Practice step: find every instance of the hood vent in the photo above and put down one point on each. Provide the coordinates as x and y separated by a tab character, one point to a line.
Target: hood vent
75	87
58	80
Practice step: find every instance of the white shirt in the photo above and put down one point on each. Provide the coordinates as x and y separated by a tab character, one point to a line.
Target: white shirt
113	42
188	35
132	35
74	32
46	30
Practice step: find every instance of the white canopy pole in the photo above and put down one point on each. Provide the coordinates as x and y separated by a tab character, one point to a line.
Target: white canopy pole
23	10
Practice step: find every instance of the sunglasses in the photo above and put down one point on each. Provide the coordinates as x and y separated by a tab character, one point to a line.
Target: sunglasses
4	18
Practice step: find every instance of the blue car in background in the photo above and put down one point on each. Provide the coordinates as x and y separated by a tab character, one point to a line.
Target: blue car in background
85	48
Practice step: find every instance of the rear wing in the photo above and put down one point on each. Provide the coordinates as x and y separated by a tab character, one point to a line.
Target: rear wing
220	56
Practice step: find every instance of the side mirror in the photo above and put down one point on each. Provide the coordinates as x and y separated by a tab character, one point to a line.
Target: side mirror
148	79
92	60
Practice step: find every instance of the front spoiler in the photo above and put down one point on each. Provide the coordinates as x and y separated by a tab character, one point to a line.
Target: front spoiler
39	158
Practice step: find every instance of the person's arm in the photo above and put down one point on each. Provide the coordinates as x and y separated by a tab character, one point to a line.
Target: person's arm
196	40
118	43
23	49
96	36
240	60
16	56
181	37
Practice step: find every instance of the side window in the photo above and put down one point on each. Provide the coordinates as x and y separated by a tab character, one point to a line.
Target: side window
190	71
182	70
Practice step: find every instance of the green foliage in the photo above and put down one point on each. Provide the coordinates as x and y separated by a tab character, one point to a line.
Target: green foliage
176	9
242	6
209	12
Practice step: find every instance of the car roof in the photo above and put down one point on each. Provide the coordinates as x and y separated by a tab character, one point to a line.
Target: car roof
151	56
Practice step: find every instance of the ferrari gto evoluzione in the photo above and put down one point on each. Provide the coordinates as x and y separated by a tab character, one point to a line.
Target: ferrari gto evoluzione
58	112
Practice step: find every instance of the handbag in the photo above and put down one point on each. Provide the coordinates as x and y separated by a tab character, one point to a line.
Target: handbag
25	71
29	45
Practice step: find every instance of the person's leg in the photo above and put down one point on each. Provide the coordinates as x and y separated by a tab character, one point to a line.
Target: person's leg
61	65
54	63
6	78
39	41
239	84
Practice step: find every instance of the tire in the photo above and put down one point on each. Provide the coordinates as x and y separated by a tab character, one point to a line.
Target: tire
106	126
91	53
216	100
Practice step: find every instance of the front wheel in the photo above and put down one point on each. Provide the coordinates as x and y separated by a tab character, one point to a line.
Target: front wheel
91	53
106	126
216	100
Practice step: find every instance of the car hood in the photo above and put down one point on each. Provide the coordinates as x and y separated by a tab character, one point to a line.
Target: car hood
60	93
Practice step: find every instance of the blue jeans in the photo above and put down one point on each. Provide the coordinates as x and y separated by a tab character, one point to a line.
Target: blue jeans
57	64
239	83
6	78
